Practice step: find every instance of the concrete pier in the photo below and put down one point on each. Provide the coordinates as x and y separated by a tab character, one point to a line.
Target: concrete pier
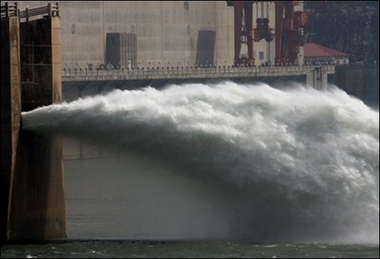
317	77
10	112
31	170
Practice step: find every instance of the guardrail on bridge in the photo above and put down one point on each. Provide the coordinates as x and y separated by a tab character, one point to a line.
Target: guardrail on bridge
76	74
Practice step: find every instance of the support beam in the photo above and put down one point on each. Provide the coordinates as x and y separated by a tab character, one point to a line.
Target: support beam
279	10
238	16
317	78
249	31
10	112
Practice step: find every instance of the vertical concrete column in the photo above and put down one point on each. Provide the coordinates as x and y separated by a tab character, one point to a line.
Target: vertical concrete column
56	59
310	78
324	78
38	204
56	212
301	55
317	78
10	112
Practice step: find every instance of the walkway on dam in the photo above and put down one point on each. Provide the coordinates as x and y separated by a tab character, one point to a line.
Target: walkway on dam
77	75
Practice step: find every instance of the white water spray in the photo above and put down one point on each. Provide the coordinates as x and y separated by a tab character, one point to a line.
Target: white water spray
305	162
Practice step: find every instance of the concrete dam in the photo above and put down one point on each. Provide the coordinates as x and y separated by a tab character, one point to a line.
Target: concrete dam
69	50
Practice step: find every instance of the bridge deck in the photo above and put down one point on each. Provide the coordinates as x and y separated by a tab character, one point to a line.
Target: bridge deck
71	75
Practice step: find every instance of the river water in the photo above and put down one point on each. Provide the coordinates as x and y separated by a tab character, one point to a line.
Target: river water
187	249
225	170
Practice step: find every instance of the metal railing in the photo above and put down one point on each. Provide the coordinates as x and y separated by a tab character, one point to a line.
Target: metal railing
72	74
8	10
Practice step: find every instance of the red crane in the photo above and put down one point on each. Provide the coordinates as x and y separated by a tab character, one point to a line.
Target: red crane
289	26
242	32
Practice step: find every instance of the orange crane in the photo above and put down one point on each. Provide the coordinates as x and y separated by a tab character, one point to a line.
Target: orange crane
288	35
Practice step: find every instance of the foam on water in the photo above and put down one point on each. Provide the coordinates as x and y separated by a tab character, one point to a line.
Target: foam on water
306	161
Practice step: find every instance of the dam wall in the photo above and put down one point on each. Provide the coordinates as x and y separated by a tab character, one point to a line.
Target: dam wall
157	33
361	81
